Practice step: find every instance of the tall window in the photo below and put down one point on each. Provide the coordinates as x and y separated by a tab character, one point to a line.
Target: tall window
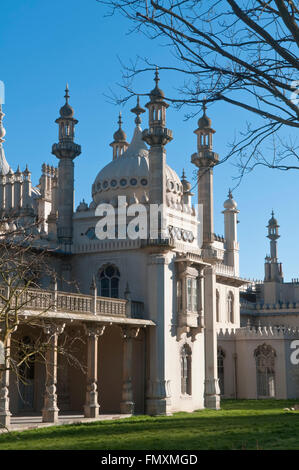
230	307
192	293
109	281
186	363
217	306
179	295
265	371
220	364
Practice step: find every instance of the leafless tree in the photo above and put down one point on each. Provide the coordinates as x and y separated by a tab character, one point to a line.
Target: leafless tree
25	265
243	53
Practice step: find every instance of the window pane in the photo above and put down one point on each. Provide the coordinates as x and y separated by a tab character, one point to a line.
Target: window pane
189	294
194	295
105	288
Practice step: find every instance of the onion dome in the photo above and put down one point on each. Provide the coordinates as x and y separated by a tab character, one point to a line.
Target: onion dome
129	175
272	222
204	122
230	203
157	94
66	111
119	135
185	183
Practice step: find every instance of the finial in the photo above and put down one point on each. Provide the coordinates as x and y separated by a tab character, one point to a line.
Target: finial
67	95
272	213
138	110
119	122
230	195
157	78
183	175
204	106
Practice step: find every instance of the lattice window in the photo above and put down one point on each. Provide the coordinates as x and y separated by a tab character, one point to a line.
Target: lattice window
109	277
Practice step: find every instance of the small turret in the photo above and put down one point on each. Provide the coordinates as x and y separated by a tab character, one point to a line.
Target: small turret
273	269
119	143
230	229
66	151
205	159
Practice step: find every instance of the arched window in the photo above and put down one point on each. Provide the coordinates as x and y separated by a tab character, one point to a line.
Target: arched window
186	363
230	307
220	365
109	281
265	371
217	306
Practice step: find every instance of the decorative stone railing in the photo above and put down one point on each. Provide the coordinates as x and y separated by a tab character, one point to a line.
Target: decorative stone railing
38	299
224	269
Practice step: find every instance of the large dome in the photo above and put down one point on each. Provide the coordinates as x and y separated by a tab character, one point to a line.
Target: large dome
129	175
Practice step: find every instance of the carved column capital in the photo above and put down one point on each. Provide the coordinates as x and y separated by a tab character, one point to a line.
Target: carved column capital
94	330
51	329
129	332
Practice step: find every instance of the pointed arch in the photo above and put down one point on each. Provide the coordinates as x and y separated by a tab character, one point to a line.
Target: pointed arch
186	370
265	370
108	281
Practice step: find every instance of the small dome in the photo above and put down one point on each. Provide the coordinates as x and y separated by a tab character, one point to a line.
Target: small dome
185	183
82	206
120	136
273	222
157	94
66	111
129	174
230	203
204	122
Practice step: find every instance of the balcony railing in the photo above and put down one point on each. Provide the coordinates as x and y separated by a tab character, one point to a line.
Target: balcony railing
37	299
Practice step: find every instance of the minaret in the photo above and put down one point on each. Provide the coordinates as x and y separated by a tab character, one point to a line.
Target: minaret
273	269
4	166
205	159
66	150
157	136
230	233
119	143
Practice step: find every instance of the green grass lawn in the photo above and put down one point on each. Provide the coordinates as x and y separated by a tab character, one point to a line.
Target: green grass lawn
241	424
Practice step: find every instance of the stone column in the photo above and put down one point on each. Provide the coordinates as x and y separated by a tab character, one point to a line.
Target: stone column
127	403
50	409
212	391
91	407
158	393
5	414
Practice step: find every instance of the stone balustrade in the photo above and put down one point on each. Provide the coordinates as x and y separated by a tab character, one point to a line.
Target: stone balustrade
38	299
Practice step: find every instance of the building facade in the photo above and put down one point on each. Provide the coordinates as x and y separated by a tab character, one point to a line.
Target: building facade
157	312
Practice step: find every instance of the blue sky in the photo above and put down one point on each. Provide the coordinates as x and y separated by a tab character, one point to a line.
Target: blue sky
46	44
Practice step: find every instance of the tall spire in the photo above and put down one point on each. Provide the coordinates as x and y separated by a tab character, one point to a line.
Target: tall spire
67	95
4	166
273	269
66	150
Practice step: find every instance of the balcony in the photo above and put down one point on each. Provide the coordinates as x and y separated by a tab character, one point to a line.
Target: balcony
65	302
